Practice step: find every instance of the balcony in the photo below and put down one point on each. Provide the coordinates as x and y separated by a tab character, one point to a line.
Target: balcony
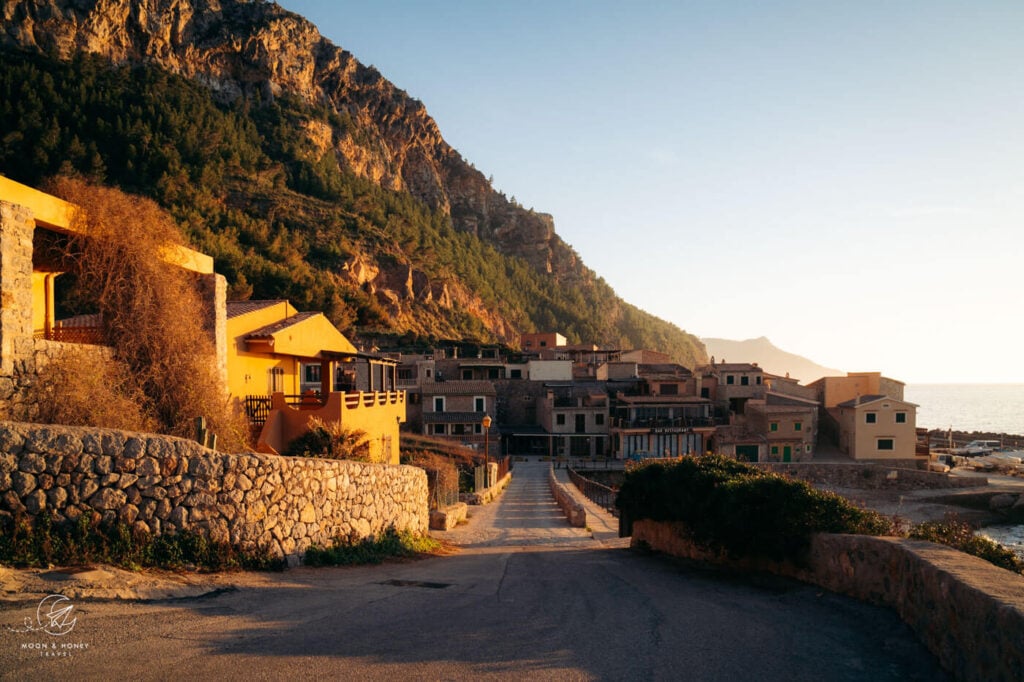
663	423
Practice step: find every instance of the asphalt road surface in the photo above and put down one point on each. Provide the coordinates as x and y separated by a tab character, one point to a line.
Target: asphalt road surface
525	597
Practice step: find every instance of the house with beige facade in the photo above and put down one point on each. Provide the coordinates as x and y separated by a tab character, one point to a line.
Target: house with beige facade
877	428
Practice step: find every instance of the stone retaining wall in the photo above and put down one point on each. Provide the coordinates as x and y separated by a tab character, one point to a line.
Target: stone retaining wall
573	510
969	613
870	476
487	495
161	484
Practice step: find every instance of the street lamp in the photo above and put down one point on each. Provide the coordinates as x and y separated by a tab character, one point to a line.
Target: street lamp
486	423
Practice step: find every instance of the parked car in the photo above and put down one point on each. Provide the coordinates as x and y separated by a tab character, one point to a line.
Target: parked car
977	447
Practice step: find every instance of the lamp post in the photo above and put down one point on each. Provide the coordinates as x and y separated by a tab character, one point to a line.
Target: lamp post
486	423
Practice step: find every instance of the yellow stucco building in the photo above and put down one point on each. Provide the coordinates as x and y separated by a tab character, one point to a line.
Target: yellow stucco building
877	427
286	367
270	357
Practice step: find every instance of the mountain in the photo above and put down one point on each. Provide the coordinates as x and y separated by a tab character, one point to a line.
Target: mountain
304	173
770	358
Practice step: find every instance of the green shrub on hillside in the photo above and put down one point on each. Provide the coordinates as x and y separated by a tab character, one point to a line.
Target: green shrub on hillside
732	507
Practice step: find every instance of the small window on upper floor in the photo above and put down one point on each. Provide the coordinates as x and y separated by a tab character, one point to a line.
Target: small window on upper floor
870	417
798	426
744	380
886	444
901	417
730	379
774	426
560	419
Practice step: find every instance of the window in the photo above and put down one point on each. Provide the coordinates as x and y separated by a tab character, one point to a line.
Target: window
886	444
774	426
870	417
275	379
599	419
730	379
775	449
406	375
311	374
901	417
517	374
744	380
807	448
479	404
798	426
439	429
758	381
670	389
705	393
439	403
560	419
467	374
492	373
428	372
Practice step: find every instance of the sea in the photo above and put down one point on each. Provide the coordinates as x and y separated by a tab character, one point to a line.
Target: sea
990	408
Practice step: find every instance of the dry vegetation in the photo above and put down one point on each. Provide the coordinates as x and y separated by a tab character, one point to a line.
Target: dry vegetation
152	316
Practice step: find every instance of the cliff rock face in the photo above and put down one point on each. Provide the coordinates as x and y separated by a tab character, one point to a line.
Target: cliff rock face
257	49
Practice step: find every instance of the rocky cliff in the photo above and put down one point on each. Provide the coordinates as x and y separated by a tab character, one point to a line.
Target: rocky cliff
260	50
298	179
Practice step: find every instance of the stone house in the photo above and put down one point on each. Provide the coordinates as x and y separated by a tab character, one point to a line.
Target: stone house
789	426
731	385
455	410
576	418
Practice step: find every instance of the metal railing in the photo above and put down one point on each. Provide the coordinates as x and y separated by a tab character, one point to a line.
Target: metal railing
599	494
662	422
84	335
257	409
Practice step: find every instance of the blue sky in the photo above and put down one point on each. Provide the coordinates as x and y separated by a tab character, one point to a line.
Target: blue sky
846	179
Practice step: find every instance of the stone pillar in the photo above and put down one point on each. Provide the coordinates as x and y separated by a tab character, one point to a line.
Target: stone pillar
214	290
17	362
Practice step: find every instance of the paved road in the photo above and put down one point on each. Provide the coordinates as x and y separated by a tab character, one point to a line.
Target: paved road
527	596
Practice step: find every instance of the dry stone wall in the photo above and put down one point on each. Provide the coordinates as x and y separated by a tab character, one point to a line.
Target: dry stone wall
870	476
161	484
